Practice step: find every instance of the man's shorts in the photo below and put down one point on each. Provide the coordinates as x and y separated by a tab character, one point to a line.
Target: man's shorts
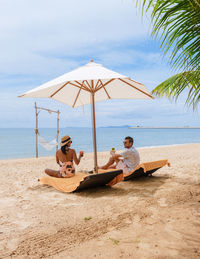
122	166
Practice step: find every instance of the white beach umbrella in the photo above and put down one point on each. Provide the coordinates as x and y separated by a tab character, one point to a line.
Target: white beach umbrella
89	84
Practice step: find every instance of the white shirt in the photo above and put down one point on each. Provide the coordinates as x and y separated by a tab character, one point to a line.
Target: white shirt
131	158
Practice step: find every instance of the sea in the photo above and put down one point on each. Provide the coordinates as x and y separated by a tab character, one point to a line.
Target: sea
20	142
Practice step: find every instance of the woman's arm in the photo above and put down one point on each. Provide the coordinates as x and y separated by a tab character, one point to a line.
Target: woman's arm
76	160
57	158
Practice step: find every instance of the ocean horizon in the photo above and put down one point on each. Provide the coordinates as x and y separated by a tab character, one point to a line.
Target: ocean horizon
20	142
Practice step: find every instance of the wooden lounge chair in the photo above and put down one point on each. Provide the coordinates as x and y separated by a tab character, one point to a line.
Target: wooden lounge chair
83	181
146	169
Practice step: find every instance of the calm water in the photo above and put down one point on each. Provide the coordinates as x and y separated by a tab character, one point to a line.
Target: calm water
18	143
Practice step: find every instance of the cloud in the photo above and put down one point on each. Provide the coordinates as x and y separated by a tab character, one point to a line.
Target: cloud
34	33
40	40
20	113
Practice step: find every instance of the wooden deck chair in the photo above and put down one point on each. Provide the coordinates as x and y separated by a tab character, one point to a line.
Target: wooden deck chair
83	181
146	169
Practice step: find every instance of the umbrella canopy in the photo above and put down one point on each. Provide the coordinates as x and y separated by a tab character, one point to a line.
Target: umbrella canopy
89	84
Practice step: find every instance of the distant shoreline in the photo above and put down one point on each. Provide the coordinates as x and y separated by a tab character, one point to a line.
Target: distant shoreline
21	143
164	127
107	127
102	152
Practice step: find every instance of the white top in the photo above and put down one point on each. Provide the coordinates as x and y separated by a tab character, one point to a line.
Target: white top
131	158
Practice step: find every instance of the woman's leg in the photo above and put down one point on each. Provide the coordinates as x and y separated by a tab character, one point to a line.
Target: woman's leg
68	175
53	173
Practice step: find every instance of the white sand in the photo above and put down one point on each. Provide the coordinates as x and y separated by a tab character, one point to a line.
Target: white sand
157	217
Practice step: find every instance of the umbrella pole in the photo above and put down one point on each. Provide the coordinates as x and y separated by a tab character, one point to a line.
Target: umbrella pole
94	132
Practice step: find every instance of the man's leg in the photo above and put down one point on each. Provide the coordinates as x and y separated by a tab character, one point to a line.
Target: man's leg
53	173
110	163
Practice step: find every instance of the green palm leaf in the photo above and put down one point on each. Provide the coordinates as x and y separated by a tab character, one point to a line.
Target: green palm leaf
175	85
177	25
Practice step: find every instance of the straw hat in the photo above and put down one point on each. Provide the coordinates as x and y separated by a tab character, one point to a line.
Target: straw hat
64	140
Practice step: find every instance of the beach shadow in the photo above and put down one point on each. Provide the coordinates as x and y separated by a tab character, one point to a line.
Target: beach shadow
142	187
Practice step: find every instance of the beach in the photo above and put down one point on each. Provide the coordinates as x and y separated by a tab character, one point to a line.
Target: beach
155	217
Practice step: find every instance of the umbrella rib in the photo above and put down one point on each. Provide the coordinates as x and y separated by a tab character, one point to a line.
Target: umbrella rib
135	81
78	86
136	88
108	82
105	89
58	90
82	85
88	85
96	86
64	86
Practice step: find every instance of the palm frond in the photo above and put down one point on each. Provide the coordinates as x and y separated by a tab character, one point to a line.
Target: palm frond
175	85
177	25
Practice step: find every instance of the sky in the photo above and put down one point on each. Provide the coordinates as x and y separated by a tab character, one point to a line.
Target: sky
41	40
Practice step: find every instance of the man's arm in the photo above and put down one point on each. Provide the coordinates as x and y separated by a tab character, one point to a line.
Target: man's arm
124	154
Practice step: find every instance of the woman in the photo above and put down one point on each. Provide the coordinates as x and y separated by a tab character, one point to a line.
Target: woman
65	158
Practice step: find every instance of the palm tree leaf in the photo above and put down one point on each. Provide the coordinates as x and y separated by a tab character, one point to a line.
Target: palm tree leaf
177	24
175	85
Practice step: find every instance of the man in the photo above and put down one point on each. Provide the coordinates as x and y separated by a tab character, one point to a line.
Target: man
128	160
